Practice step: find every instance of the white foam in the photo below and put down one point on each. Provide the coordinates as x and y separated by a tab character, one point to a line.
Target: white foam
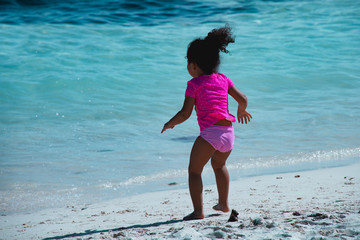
149	178
286	160
252	163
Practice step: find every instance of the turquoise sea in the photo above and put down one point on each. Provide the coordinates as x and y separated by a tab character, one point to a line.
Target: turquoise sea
86	86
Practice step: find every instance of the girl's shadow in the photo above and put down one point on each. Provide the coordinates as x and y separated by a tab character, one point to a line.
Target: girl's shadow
90	232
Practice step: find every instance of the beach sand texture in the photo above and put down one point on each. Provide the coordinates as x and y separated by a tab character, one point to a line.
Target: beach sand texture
319	204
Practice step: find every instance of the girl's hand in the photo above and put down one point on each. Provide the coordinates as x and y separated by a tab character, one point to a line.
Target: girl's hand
243	116
166	126
182	115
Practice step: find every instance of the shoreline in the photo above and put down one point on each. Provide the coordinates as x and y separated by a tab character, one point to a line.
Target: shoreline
299	205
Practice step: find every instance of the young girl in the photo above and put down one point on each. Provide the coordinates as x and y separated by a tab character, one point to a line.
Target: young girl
208	92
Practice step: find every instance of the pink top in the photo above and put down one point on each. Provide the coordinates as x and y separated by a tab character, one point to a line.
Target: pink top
211	98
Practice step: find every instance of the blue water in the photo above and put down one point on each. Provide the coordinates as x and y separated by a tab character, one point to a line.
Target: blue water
86	86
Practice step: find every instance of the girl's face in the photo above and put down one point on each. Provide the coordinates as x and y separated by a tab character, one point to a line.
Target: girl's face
190	68
194	70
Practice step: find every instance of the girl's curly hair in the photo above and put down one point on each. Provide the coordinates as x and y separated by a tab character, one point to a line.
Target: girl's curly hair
205	52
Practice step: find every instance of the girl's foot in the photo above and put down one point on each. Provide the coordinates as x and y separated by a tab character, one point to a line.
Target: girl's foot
219	207
193	216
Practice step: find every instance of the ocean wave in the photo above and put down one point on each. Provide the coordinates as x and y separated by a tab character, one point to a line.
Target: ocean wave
148	12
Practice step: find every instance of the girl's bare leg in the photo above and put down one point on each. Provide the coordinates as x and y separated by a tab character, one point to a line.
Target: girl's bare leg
200	155
222	179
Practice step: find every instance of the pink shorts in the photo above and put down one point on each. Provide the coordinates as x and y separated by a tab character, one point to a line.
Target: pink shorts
220	137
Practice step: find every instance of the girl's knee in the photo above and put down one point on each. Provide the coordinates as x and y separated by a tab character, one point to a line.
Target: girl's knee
194	171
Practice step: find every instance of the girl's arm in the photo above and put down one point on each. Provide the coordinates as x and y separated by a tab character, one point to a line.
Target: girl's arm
182	115
242	114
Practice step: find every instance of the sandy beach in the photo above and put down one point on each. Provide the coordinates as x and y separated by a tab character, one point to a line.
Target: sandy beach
319	204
